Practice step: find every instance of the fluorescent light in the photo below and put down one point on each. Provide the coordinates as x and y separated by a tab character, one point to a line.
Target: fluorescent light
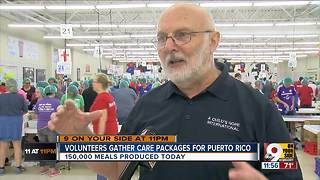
307	52
74	25
120	6
236	36
26	25
283	3
70	7
85	37
307	43
143	35
99	25
139	49
73	37
253	49
306	48
231	4
302	36
137	26
296	24
53	37
227	43
52	25
77	45
126	44
115	37
224	49
224	25
20	7
269	36
254	25
88	49
141	53
254	43
158	5
101	44
146	44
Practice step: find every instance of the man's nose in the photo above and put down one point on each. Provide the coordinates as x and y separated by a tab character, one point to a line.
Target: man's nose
170	44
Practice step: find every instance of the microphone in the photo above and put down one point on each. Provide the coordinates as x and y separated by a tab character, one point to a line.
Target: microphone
131	166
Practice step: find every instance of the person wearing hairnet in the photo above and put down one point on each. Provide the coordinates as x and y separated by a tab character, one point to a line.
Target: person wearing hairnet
305	94
28	88
36	96
44	108
286	93
52	80
73	94
42	84
125	99
88	96
12	108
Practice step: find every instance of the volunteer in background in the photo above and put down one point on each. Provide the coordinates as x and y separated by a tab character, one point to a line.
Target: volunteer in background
258	85
52	80
73	94
104	101
125	99
44	108
3	88
28	89
36	96
237	76
88	96
305	94
286	93
12	108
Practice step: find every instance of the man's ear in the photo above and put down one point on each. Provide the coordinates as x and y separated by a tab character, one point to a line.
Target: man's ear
214	41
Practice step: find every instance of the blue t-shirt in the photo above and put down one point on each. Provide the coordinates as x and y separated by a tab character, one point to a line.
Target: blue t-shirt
12	104
286	95
125	99
44	108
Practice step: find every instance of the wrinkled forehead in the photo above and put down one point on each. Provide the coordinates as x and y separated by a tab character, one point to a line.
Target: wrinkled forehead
184	18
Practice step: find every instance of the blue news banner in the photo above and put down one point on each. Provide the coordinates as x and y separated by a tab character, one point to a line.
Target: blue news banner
157	152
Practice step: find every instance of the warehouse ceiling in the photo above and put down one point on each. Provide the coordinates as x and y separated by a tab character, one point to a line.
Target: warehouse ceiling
250	29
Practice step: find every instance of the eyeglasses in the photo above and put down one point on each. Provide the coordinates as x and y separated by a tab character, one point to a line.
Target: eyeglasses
179	37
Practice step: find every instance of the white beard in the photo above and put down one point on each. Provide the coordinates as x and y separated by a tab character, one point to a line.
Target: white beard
195	67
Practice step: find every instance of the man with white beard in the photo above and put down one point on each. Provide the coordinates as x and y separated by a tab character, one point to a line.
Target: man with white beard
199	95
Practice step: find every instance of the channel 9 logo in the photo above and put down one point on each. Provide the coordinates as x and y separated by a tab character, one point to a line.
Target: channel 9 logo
278	152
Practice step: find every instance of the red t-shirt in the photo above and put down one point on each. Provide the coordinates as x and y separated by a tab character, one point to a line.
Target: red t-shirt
273	94
105	101
3	89
305	95
297	85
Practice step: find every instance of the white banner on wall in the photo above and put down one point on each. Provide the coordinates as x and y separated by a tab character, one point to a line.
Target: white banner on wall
23	48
